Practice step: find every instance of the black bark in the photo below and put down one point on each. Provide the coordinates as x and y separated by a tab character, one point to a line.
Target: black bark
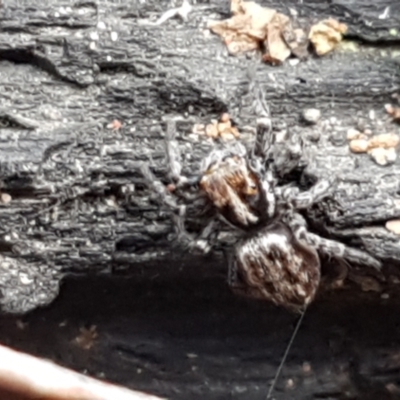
78	203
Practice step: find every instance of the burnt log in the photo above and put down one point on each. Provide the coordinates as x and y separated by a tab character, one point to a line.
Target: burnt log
78	201
73	199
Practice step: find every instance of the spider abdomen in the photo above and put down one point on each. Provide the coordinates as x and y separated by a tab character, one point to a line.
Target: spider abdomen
277	267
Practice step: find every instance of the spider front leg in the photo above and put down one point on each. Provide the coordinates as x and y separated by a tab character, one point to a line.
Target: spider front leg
173	153
303	200
165	198
174	166
264	137
203	242
164	195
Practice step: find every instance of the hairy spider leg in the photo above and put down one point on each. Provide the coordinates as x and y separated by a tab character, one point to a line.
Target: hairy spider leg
305	199
264	137
172	152
329	247
165	197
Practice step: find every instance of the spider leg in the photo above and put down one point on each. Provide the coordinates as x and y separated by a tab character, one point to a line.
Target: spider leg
339	250
178	219
173	153
288	155
329	247
320	190
201	242
206	236
164	196
174	160
267	191
264	137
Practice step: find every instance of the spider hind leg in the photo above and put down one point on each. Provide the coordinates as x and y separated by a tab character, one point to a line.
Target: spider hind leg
339	250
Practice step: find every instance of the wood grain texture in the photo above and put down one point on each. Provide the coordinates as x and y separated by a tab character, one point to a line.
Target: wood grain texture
79	204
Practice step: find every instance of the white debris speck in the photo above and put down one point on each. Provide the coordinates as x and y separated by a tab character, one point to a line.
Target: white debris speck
372	114
385	13
353	134
56	14
92	45
25	279
101	25
109	58
183	11
5	198
312	115
94	35
114	36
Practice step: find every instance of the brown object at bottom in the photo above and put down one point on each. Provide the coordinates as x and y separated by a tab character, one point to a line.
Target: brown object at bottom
24	377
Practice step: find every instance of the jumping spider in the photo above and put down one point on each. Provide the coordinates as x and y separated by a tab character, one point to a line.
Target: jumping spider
276	257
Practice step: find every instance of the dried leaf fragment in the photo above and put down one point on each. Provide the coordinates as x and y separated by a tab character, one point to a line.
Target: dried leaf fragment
224	126
246	29
115	125
353	134
381	147
359	145
384	140
231	30
383	156
222	129
87	337
235	132
296	39
252	27
393	226
277	50
5	198
260	18
212	131
326	35
225	117
394	112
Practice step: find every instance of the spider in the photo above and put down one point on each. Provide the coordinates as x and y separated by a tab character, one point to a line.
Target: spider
275	257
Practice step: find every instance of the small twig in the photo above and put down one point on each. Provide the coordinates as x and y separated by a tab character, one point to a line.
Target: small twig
19	120
28	377
182	11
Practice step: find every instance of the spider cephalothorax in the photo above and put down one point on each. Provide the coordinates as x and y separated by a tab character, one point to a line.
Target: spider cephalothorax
232	188
276	258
